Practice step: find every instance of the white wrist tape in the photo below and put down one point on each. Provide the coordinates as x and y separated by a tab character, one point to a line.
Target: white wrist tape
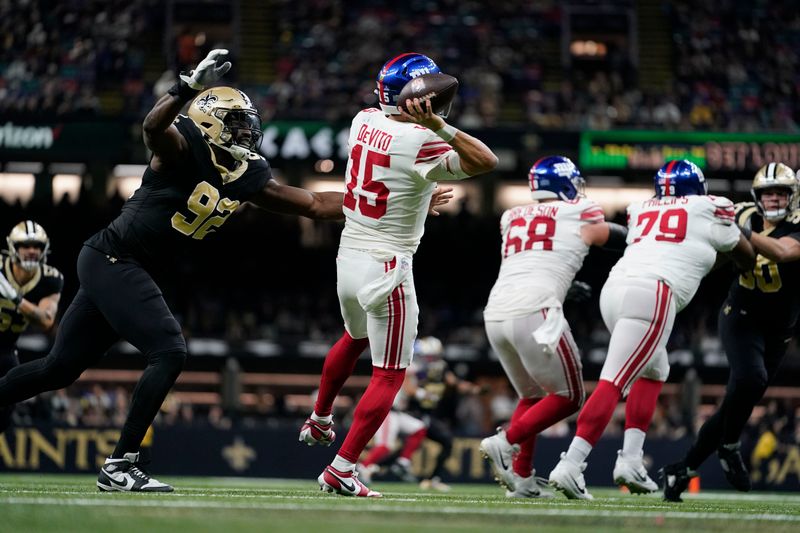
447	132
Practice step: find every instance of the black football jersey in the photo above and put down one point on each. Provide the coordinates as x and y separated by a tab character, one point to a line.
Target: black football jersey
174	211
47	281
771	290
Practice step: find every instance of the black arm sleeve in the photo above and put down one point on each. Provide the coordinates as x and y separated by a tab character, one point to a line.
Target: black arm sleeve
616	237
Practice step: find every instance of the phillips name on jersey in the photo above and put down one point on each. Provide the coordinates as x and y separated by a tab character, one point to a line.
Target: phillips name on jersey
676	239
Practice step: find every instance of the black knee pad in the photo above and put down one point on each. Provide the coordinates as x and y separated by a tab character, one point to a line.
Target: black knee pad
169	362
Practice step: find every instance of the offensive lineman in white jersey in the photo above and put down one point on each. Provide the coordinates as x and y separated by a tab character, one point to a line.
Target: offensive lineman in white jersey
396	157
673	240
544	245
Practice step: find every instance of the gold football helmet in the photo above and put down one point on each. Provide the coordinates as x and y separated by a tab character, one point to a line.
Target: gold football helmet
770	176
228	119
28	233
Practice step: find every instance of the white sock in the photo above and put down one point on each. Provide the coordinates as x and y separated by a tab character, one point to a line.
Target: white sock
578	450
342	465
324	420
633	443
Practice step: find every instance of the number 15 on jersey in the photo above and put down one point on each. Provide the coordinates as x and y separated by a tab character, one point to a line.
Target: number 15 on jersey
363	194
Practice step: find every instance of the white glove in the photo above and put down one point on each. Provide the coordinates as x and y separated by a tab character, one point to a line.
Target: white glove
209	70
7	292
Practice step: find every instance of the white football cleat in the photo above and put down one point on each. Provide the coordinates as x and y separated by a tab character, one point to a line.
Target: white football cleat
344	483
500	454
630	472
567	478
314	432
125	475
528	487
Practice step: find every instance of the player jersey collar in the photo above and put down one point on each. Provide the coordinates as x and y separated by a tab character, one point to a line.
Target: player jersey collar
227	175
22	289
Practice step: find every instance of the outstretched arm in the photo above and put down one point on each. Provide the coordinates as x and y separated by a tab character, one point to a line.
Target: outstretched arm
475	157
160	135
290	200
780	250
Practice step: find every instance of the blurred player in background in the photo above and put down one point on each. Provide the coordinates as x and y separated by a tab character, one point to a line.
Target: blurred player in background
543	247
396	157
398	426
673	240
425	407
203	167
29	293
756	323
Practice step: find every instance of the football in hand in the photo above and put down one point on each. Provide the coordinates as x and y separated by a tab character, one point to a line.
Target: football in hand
439	88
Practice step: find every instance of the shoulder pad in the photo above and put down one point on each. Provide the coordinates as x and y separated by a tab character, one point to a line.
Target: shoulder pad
744	211
720	201
793	217
51	272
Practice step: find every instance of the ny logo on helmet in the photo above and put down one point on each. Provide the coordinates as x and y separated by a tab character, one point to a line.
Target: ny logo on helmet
564	169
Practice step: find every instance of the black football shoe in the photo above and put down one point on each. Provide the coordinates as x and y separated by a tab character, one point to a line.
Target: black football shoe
125	475
676	478
730	458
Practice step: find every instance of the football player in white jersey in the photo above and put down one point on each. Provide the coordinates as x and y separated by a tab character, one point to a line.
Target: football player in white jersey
673	240
544	244
396	157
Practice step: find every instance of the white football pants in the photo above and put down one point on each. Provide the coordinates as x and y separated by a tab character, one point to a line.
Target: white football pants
533	372
640	314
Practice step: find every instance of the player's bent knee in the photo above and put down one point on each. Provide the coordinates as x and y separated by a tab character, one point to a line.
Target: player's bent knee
170	362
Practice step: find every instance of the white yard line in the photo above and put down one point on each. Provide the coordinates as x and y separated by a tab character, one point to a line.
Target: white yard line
376	507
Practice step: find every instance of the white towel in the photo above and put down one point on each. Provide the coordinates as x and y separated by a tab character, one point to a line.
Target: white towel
548	334
374	294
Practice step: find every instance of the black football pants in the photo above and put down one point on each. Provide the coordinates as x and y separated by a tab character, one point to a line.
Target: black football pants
116	299
754	348
8	360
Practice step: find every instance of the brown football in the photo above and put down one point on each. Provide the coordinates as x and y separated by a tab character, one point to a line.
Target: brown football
439	88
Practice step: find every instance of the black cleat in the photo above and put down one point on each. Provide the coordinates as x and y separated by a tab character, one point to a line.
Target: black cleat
125	475
730	458
676	478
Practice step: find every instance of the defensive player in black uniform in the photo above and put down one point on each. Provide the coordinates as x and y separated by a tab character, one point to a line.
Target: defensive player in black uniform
755	325
433	397
29	293
203	167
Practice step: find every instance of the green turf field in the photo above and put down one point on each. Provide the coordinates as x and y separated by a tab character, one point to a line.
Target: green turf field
34	503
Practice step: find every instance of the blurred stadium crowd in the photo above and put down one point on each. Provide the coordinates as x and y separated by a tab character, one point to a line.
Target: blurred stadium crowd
734	64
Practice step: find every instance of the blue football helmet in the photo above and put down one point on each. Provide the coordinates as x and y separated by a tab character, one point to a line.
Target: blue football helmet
680	178
557	177
394	75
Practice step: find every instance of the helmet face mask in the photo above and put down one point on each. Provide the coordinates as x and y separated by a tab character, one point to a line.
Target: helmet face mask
398	71
680	178
774	177
228	119
28	245
555	177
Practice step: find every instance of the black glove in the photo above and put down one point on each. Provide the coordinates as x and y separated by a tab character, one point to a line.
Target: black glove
579	292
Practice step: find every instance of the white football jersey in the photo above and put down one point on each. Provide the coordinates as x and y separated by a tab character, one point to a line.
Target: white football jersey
542	251
676	240
390	176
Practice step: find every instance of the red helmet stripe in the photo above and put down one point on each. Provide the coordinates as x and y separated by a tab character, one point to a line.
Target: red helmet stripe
532	175
386	67
670	166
